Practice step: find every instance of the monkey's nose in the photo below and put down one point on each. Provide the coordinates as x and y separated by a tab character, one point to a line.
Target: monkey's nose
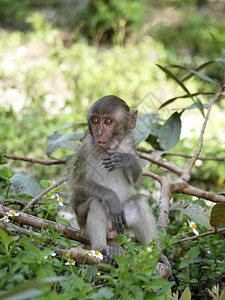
100	131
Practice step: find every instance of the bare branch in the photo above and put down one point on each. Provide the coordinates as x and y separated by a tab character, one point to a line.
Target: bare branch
200	157
21	230
198	236
36	160
67	231
193	191
14	201
153	175
149	151
162	163
200	143
164	201
38	197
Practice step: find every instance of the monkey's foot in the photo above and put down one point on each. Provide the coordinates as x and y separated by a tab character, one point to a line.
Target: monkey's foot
163	267
109	251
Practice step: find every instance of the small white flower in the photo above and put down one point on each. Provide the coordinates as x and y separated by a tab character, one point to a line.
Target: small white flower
60	200
96	254
52	255
193	227
5	219
12	213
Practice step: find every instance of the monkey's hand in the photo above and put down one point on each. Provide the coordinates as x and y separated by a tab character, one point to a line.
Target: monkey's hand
118	219
116	160
119	222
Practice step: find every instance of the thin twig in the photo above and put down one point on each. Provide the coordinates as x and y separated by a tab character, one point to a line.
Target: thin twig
153	175
200	157
36	160
198	236
162	163
14	201
200	143
149	151
34	200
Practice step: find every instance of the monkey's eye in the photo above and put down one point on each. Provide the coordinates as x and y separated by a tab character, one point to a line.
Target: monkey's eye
108	121
94	121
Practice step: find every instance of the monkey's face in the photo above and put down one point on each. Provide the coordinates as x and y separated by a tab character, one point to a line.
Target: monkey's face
105	131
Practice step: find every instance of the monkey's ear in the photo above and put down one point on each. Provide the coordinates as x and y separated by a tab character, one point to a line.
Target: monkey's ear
133	118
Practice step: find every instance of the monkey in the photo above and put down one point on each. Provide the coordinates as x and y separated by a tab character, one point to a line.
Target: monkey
103	173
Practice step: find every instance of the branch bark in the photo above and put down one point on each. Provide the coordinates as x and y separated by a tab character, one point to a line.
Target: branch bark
67	231
195	237
162	163
200	143
46	162
181	155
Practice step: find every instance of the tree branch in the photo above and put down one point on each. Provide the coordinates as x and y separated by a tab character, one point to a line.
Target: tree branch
200	143
162	163
36	160
198	236
23	218
149	151
152	175
163	219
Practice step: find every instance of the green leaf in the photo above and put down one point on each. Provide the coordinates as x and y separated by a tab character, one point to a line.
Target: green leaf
154	142
203	77
91	272
52	138
146	124
169	133
159	283
184	264
26	184
46	271
29	290
186	295
5	173
202	66
3	159
221	61
66	141
195	212
6	239
217	217
184	97
193	252
174	77
102	293
192	106
198	74
200	106
63	221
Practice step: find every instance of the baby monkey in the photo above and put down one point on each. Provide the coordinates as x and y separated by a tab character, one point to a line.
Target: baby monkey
104	172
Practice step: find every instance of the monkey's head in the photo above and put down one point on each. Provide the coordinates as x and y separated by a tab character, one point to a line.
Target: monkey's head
109	118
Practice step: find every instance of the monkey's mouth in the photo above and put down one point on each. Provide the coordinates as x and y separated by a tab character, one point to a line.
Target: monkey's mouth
101	144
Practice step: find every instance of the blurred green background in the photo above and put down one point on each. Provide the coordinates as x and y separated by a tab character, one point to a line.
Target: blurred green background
58	57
